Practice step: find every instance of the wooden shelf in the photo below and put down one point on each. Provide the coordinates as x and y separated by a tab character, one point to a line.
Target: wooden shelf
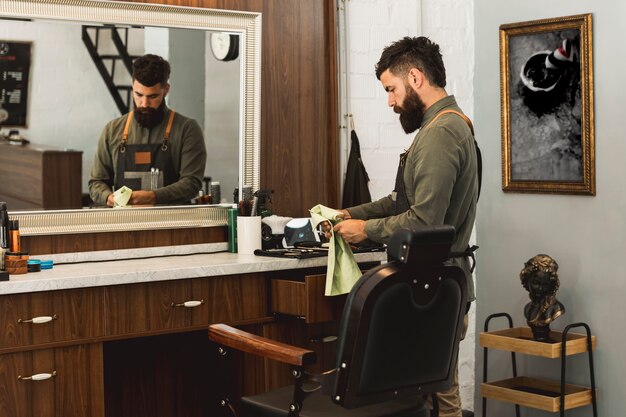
536	393
520	340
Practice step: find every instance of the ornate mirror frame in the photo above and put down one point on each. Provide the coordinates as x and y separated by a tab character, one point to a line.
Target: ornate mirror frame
246	24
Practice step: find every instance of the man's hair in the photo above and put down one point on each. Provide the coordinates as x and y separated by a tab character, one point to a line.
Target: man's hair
151	70
407	53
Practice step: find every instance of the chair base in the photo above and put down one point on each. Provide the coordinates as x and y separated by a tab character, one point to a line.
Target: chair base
276	404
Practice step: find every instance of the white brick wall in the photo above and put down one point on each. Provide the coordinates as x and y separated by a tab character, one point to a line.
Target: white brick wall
371	25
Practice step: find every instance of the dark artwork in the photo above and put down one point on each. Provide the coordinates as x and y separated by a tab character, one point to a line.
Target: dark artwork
546	134
14	72
539	277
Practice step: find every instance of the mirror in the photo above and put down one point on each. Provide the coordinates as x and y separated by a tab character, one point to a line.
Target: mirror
68	101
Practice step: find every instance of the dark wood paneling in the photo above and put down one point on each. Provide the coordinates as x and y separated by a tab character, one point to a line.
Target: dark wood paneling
299	121
161	376
85	242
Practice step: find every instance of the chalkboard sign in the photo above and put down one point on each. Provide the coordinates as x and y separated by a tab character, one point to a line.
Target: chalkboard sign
14	70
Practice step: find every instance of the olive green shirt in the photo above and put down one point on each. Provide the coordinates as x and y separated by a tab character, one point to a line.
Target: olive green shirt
187	148
441	183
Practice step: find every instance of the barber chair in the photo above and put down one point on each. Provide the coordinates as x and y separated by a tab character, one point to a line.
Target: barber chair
398	340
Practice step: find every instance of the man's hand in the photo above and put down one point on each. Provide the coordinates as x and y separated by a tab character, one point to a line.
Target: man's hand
142	198
352	231
110	200
326	226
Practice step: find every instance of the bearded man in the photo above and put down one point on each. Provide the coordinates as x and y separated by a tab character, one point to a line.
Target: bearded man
437	181
154	151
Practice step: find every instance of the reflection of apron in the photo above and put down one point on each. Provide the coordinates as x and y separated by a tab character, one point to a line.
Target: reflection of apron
401	200
135	162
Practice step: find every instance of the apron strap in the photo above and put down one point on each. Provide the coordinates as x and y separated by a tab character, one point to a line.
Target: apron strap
129	118
166	137
479	157
168	130
464	117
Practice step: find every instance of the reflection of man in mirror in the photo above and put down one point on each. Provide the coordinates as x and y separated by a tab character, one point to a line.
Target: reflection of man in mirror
156	152
539	277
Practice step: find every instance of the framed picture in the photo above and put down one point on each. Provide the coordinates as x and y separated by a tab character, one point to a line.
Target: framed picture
546	76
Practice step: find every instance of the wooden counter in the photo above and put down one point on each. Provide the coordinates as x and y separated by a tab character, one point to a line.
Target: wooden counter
115	338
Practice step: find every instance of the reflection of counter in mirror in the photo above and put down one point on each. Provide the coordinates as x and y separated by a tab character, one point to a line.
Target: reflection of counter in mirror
38	176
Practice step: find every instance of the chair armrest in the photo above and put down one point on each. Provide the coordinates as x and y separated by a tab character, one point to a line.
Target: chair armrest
260	346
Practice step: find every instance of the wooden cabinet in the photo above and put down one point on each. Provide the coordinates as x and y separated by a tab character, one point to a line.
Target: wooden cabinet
189	303
141	349
50	317
40	177
64	381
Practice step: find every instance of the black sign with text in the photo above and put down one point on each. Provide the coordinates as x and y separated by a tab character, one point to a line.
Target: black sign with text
14	71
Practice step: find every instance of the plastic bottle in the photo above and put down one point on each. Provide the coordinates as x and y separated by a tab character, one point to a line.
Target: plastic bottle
14	233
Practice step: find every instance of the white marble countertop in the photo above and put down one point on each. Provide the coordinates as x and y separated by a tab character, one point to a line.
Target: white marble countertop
160	268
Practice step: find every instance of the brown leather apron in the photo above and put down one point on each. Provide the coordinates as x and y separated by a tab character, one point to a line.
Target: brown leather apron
136	163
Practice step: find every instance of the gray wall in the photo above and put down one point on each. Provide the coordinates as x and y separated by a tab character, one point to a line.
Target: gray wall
584	234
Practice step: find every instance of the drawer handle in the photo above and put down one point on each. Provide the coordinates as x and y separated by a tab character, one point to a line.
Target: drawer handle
37	377
39	320
188	304
325	339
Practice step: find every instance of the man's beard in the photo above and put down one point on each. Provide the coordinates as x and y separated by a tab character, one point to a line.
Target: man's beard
149	117
411	112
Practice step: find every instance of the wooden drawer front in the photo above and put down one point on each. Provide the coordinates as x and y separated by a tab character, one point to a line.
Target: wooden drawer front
74	387
238	298
155	306
303	298
148	307
76	314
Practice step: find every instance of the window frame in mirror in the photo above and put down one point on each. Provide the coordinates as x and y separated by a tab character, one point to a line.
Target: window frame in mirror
245	24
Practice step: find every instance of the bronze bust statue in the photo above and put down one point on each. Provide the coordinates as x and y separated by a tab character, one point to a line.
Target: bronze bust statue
540	279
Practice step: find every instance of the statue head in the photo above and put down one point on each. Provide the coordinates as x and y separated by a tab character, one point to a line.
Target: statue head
539	277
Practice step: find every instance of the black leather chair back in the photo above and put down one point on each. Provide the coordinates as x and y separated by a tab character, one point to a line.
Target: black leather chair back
402	323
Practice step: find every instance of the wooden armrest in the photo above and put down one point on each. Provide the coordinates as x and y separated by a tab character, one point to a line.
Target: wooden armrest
261	346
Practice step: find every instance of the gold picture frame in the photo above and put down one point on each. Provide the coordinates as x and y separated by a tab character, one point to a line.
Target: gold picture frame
546	79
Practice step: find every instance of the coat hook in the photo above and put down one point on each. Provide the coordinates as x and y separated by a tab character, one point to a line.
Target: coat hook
351	120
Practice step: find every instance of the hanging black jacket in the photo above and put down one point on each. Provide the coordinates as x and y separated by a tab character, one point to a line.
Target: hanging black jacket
355	189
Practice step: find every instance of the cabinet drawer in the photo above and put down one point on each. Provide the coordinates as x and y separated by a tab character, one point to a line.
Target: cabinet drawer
304	298
54	316
53	382
157	306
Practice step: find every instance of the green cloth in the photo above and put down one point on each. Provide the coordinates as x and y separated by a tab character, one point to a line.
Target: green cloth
122	196
342	271
188	157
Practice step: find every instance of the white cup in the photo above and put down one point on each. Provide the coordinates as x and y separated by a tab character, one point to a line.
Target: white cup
248	234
